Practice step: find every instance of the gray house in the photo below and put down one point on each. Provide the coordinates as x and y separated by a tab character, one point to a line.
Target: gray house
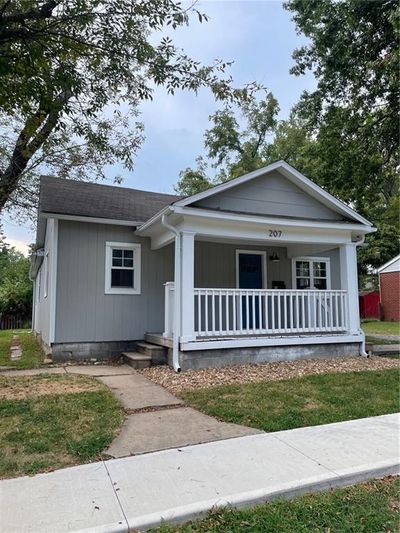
260	268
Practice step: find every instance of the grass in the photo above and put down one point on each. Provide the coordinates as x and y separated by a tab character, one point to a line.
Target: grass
381	328
299	402
43	432
32	353
370	507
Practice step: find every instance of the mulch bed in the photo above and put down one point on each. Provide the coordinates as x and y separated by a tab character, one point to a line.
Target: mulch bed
210	377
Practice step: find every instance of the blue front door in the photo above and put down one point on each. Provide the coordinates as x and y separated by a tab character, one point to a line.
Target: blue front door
250	277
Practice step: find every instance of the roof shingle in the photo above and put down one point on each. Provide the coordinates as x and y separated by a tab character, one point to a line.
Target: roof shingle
71	197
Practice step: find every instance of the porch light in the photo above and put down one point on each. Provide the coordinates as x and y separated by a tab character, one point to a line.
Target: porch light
274	257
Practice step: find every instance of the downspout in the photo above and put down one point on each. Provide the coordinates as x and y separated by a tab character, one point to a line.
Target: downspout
177	294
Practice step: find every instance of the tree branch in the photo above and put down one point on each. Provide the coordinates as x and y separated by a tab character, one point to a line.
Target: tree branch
36	131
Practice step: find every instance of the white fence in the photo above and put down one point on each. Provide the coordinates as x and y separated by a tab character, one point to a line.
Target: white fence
230	312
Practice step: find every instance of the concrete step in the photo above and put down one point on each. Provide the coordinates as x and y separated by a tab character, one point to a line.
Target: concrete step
383	349
158	353
136	360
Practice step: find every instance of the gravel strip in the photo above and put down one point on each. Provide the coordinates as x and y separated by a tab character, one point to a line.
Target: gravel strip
210	377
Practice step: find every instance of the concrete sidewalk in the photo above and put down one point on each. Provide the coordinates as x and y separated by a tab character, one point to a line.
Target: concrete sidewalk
183	483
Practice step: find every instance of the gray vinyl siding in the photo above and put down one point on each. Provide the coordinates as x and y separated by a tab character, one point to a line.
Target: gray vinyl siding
272	194
83	312
215	265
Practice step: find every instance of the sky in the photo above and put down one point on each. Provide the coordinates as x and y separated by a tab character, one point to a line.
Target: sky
259	36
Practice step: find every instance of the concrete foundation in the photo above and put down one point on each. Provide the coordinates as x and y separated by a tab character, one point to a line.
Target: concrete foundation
91	351
263	354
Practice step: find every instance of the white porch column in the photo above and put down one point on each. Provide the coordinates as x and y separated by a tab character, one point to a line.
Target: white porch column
187	286
349	282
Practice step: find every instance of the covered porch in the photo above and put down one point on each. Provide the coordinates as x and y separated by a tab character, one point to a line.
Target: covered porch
259	294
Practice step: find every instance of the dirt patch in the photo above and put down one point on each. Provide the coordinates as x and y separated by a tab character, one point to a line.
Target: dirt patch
210	377
19	388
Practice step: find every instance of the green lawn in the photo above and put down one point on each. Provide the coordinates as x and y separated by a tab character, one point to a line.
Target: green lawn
299	402
364	508
32	353
381	328
53	421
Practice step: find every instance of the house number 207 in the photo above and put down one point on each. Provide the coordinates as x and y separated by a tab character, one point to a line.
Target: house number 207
275	233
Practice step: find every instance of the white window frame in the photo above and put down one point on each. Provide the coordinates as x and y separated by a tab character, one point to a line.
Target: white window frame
136	248
311	260
263	254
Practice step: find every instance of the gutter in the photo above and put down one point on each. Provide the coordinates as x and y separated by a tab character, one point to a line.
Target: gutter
177	293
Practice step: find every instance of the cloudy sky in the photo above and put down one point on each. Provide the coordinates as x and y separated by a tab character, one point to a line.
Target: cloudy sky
259	37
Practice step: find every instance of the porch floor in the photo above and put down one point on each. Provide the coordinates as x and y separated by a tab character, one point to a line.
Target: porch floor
159	339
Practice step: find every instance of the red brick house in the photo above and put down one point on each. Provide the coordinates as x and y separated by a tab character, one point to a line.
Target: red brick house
389	286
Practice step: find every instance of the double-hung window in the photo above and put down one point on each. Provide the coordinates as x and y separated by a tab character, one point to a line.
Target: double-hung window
122	268
311	273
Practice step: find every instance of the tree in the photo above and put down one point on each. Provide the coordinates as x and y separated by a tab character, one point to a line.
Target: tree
192	181
15	286
235	143
354	112
72	75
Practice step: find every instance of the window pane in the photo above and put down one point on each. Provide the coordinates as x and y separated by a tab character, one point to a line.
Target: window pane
116	253
320	283
121	278
128	262
302	283
302	268
319	269
128	254
116	262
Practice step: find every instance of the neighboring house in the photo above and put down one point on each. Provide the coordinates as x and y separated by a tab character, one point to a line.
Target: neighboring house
261	268
389	288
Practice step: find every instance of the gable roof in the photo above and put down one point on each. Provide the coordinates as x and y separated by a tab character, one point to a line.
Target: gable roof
293	175
78	198
391	263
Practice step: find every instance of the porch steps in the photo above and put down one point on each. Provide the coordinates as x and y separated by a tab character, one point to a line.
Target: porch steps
136	359
157	353
159	339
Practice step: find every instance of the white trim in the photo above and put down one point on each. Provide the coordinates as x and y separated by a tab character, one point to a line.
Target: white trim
269	341
382	268
46	274
137	267
310	259
166	210
95	220
263	254
53	283
273	221
290	173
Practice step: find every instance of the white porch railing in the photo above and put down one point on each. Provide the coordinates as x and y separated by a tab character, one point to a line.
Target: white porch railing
224	312
234	312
